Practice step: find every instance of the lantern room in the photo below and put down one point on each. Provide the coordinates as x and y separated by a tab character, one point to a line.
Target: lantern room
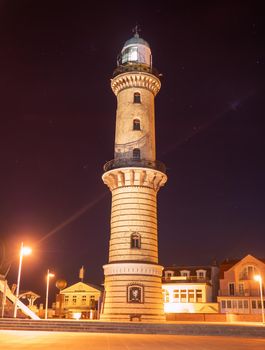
135	51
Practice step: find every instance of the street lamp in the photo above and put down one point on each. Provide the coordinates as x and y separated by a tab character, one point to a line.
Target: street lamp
23	251
49	275
258	278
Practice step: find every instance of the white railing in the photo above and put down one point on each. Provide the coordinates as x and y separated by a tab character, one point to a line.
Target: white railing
5	289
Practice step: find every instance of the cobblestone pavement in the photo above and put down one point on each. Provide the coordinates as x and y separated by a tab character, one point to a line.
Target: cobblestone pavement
10	340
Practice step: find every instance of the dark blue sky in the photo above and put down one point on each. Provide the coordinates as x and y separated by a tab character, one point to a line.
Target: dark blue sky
58	120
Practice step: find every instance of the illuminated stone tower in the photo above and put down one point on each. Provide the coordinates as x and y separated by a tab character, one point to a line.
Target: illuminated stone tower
132	276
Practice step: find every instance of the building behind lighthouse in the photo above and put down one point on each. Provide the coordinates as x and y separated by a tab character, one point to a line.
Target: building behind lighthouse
133	290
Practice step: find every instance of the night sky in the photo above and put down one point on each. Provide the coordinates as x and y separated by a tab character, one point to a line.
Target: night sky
58	121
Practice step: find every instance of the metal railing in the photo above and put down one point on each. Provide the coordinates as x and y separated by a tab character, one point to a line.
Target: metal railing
237	293
136	68
137	163
186	279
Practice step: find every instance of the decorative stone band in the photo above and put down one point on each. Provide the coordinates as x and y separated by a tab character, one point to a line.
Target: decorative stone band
133	268
135	79
134	177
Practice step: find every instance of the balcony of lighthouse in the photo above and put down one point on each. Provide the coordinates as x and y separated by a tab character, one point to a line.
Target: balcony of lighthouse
134	163
136	68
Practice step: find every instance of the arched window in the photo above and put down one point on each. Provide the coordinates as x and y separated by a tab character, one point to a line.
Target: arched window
136	124
136	97
136	154
135	240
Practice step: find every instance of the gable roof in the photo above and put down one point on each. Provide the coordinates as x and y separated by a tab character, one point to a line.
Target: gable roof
82	287
227	264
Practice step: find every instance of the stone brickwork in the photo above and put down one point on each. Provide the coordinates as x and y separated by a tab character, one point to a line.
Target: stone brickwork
121	276
134	209
133	289
126	138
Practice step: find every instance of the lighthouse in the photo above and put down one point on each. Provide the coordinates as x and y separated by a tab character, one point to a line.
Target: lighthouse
133	290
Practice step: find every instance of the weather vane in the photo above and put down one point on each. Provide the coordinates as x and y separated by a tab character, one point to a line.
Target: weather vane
136	30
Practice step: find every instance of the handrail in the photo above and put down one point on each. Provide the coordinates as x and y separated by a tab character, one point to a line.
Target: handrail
137	163
5	289
136	68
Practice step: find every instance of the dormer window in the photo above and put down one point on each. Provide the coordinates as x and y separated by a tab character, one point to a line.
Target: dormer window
185	273
136	97
169	274
201	274
136	124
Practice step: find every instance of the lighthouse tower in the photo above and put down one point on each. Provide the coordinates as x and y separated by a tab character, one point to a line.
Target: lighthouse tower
133	276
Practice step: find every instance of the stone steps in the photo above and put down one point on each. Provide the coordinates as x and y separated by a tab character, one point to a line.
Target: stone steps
254	331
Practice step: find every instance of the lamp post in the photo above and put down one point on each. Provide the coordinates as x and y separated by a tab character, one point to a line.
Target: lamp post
258	278
47	292
23	251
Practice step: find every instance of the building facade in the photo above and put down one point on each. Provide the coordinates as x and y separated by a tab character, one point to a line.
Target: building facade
133	288
79	300
239	291
190	289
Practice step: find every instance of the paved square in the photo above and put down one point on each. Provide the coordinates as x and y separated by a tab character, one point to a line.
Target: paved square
10	340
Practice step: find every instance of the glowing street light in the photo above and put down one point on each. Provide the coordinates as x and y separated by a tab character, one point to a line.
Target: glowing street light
23	251
49	275
258	278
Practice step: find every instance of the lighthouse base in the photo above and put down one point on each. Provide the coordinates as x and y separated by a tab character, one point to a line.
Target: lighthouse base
133	293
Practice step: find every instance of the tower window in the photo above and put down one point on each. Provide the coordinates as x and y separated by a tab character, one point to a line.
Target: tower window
136	97
136	240
136	124
136	154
